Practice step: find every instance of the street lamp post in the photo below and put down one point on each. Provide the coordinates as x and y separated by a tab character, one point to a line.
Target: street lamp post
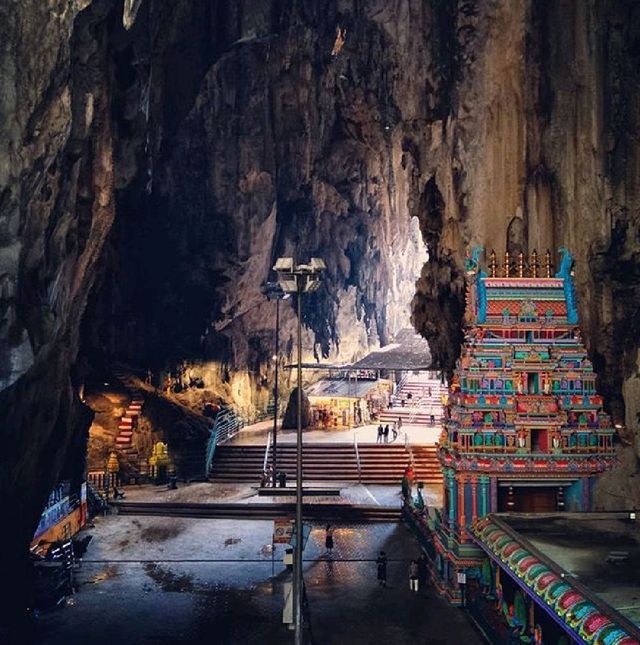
298	279
275	292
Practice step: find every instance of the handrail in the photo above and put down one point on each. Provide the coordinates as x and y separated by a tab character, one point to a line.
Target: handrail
266	453
355	445
211	448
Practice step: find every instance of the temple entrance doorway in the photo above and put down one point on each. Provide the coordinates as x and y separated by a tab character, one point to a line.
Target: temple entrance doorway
527	499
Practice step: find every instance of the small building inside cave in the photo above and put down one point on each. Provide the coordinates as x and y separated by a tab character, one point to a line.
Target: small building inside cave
347	399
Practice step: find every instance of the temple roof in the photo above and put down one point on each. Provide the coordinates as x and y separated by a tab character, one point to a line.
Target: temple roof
573	604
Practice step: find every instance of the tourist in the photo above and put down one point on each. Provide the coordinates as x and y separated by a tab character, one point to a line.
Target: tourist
432	419
381	561
328	539
380	434
402	402
386	433
399	423
395	432
413	576
429	390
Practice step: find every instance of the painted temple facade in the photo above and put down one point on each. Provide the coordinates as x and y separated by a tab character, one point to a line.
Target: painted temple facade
524	427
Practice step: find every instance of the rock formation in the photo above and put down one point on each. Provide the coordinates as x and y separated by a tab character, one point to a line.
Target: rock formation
216	136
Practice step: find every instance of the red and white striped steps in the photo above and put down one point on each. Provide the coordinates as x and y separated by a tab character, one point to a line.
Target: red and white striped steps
129	420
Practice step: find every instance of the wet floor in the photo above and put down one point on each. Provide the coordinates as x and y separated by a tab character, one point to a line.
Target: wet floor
144	595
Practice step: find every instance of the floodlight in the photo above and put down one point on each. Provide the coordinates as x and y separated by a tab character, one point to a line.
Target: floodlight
317	264
312	283
288	282
283	265
632	515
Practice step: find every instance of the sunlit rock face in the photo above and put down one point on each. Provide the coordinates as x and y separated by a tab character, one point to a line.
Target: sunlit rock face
538	149
270	131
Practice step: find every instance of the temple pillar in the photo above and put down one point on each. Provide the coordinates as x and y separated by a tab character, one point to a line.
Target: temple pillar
484	495
452	498
474	498
493	504
461	511
586	495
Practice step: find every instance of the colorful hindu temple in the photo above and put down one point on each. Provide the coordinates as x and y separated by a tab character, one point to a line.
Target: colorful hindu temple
524	430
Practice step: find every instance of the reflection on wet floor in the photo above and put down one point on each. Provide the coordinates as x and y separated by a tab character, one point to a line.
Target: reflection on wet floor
237	601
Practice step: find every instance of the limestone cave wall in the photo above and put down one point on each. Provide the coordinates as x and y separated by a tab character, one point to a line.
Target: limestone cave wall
155	158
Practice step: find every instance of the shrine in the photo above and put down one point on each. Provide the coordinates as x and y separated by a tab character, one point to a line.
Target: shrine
524	427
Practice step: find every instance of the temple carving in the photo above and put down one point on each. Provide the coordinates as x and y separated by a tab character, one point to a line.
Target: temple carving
524	428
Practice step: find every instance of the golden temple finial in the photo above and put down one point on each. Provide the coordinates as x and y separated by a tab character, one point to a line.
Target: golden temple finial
507	265
493	266
548	267
533	264
521	264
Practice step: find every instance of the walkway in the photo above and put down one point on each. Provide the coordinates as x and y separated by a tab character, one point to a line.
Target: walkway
230	596
257	434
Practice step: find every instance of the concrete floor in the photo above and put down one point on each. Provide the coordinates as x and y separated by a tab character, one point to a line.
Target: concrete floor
237	493
136	588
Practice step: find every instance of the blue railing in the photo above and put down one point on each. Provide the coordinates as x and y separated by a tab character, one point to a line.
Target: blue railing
227	424
211	449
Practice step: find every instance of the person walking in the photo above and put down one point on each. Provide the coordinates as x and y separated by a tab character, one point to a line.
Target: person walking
386	433
413	576
399	423
395	432
380	434
328	539
381	562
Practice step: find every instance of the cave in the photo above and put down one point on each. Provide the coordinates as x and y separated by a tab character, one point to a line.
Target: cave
157	158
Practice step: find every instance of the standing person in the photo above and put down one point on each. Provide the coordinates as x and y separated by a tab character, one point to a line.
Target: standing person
413	576
386	433
433	419
399	423
429	391
328	539
395	432
381	561
380	433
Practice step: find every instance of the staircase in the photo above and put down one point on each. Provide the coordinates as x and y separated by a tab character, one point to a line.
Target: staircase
422	396
385	464
380	464
129	420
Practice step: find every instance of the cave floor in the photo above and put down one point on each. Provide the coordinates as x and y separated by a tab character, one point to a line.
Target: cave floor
237	493
136	588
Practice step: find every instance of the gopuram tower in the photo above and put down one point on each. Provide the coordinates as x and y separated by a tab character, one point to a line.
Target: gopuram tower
524	428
